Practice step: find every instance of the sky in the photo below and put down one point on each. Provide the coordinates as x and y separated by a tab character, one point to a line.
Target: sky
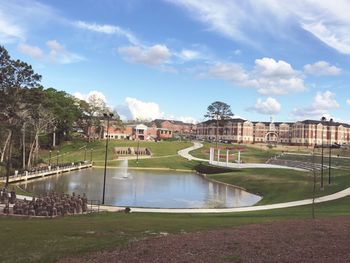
289	60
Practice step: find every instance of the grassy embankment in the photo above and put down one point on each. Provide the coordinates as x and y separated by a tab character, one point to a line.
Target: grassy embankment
38	240
81	234
164	154
249	154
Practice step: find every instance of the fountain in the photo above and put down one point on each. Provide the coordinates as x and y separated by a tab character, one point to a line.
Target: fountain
124	167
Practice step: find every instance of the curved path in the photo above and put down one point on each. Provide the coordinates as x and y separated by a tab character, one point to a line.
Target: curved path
185	153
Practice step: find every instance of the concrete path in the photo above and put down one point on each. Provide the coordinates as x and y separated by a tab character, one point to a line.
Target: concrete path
185	153
322	199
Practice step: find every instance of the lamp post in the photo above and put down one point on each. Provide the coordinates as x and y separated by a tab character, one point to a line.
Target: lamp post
323	119
314	183
50	152
85	154
108	116
57	157
330	151
137	154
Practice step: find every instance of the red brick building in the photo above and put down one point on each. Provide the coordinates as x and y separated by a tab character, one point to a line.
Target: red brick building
307	132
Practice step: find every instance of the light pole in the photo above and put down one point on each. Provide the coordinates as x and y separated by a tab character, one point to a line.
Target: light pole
108	116
57	158
323	119
137	154
330	151
85	154
50	152
314	185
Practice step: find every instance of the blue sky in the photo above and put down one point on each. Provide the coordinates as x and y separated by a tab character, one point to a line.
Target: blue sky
172	58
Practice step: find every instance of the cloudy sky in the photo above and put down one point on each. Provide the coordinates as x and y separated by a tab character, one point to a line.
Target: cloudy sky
172	58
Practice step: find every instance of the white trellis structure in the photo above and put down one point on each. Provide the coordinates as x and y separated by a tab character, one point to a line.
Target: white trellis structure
214	157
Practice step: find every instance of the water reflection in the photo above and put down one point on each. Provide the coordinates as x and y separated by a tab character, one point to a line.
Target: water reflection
146	189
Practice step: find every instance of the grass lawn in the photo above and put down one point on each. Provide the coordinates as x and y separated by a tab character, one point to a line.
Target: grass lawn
281	185
46	240
249	154
75	151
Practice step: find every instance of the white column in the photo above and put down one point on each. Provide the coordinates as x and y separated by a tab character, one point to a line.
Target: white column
227	152
239	157
218	156
210	155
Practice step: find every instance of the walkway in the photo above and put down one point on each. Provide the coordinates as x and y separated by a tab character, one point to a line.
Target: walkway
322	199
185	153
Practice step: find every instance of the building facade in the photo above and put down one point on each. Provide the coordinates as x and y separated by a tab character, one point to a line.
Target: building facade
307	132
137	132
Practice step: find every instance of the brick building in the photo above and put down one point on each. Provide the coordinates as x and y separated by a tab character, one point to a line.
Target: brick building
307	132
137	132
174	126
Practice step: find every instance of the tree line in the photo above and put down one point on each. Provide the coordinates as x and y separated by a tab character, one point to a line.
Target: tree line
32	116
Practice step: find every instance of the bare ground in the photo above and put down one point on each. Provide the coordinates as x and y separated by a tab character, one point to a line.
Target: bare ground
320	240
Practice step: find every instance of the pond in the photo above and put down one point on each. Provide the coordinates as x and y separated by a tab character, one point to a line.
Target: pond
137	188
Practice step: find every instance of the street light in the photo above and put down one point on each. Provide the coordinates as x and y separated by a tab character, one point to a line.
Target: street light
323	119
57	158
330	151
108	116
314	183
137	153
85	154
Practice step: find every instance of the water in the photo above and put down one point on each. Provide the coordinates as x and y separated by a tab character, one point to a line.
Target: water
138	188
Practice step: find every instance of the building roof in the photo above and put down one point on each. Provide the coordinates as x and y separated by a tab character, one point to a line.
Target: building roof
159	121
279	123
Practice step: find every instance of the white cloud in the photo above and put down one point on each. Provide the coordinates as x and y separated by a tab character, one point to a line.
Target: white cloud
108	29
348	102
31	51
218	15
328	21
143	110
269	77
17	17
152	56
9	30
323	102
57	53
92	95
187	55
322	68
269	106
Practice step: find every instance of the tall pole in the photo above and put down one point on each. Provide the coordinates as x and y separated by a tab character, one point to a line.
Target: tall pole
91	155
322	154
24	147
330	152
106	152
85	154
57	157
50	157
137	153
314	187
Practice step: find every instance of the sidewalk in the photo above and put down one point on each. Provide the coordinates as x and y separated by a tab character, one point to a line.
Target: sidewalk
196	145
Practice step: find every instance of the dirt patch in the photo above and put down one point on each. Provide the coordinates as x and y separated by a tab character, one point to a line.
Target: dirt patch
325	240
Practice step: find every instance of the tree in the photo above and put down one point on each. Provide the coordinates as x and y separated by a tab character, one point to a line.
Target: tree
218	111
15	76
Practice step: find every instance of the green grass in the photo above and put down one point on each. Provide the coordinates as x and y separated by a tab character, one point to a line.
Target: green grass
281	185
249	154
175	162
40	240
75	151
335	161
